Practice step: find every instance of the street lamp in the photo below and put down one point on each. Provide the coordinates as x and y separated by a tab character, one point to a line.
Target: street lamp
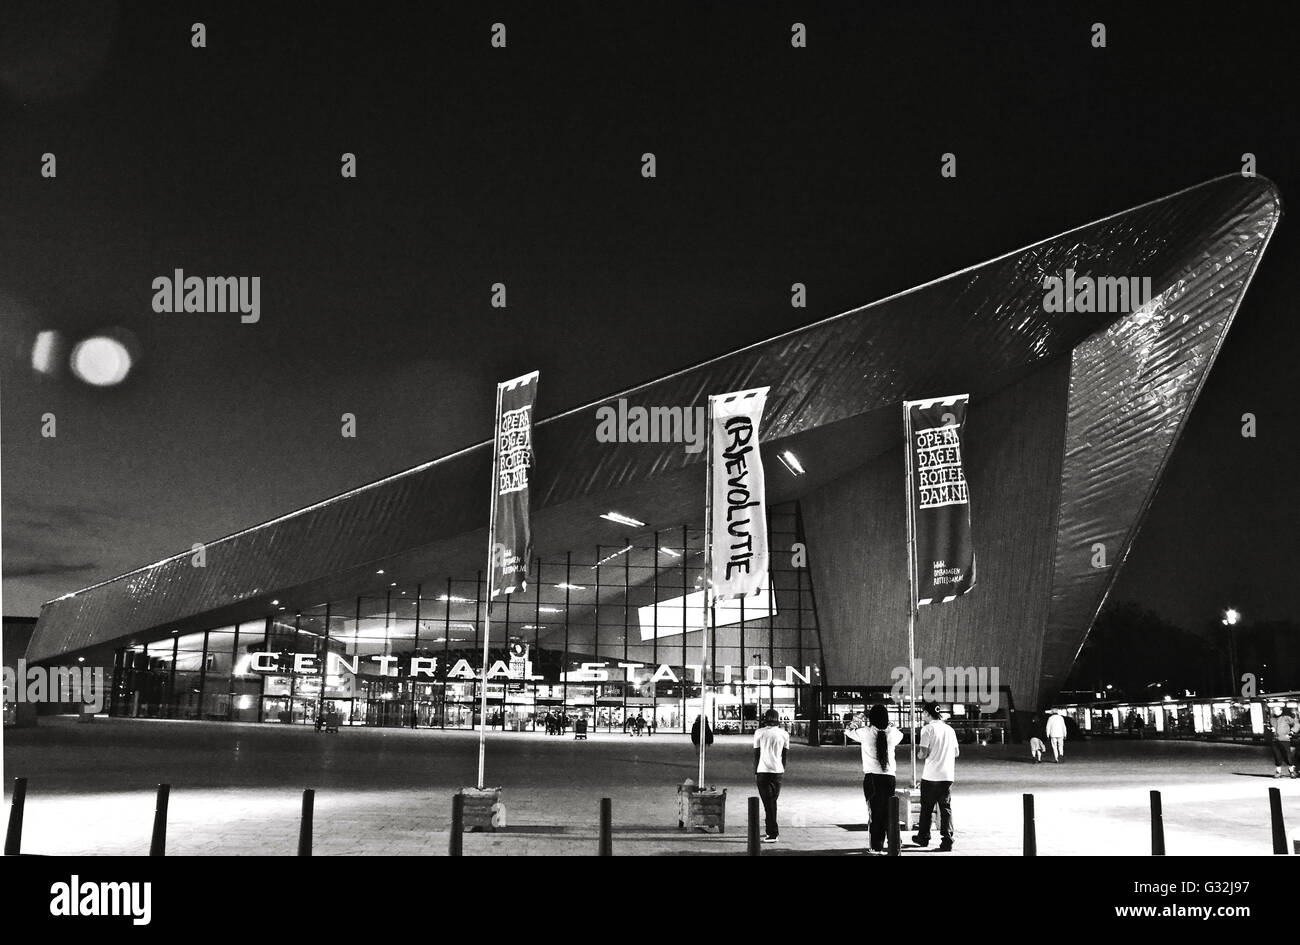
1232	617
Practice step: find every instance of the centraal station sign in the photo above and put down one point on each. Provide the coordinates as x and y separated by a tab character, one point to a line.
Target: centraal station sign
429	667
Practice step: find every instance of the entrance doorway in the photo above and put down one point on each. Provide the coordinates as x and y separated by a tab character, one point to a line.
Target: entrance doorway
387	713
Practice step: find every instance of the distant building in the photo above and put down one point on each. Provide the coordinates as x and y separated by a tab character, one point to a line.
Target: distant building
17	635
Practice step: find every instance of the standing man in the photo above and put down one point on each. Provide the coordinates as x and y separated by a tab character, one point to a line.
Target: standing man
1284	727
1056	735
771	748
939	751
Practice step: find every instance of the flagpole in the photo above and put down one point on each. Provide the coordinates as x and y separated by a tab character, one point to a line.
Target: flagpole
911	587
708	589
487	610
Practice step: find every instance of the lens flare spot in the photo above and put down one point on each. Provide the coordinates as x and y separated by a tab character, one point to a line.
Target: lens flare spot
101	361
46	351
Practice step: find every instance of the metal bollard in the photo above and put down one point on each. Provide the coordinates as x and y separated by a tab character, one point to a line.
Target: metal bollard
456	841
14	837
606	827
753	827
304	828
1157	826
895	844
158	843
1275	806
1031	833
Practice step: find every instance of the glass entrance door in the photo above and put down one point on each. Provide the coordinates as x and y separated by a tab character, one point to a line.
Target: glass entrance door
387	713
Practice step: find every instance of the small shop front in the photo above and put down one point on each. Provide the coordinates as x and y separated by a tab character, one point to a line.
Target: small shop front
1213	719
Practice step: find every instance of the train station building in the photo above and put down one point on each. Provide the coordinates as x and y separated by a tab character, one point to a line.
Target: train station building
370	604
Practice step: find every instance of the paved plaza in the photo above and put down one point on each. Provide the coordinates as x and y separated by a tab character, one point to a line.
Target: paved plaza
236	790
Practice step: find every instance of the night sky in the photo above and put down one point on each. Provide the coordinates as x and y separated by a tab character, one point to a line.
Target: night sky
523	166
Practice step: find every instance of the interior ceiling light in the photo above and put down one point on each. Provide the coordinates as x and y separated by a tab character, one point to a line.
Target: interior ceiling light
791	462
621	551
620	519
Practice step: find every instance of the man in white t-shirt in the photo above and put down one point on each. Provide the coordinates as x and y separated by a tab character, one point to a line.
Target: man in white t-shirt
771	748
939	751
1056	735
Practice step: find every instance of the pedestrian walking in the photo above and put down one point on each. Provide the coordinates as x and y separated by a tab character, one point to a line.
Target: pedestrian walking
1284	727
1056	735
878	738
771	749
1036	749
1036	740
939	751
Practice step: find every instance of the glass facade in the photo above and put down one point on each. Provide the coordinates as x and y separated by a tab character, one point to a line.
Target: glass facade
610	635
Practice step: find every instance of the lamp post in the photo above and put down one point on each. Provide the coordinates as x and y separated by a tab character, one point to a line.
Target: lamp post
1232	617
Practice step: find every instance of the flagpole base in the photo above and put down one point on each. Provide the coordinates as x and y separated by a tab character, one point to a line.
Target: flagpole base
909	807
701	808
483	811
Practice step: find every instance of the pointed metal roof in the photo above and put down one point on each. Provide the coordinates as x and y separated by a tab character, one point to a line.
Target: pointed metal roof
835	390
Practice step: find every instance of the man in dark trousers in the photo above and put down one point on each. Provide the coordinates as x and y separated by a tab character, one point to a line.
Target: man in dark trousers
771	749
939	751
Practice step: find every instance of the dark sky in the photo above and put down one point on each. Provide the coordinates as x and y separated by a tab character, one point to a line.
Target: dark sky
522	165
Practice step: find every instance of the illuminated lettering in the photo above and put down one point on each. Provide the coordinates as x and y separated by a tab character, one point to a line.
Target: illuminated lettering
461	670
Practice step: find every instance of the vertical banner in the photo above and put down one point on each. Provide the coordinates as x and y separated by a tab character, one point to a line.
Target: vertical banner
939	499
512	538
738	502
